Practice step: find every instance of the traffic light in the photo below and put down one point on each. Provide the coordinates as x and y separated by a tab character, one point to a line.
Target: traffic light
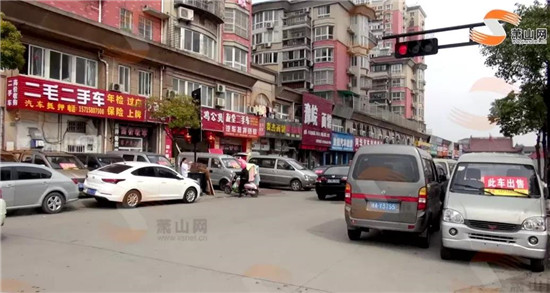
196	95
416	48
196	135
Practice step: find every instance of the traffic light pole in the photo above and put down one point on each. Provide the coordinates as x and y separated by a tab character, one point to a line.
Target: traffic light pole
438	30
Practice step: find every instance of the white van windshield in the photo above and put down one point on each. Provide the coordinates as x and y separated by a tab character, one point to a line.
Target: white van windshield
231	163
495	179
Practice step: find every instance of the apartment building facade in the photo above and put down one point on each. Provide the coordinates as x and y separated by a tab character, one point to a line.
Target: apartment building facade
397	84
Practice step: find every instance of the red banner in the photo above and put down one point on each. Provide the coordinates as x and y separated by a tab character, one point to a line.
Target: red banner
241	125
503	182
212	119
51	96
317	117
362	141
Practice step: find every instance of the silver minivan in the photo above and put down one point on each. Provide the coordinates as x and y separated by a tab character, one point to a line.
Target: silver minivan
148	157
495	203
222	167
277	170
393	187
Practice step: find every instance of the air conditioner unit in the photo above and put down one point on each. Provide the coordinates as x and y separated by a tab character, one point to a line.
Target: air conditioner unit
254	47
170	94
115	87
220	88
268	45
220	102
185	14
269	25
363	133
350	85
251	110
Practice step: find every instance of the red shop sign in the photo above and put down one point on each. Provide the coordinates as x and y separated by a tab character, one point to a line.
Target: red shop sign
212	119
241	125
50	96
317	117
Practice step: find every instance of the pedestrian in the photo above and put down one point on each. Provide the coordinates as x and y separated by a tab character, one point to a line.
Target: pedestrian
243	178
184	168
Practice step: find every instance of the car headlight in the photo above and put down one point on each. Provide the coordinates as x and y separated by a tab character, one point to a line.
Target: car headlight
307	178
534	224
452	216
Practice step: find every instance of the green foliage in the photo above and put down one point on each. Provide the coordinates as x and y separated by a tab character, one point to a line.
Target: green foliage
525	112
178	112
12	51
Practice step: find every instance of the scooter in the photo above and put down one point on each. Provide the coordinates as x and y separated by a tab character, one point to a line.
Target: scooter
249	188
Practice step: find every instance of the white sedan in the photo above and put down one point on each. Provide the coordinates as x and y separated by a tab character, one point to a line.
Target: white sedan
130	183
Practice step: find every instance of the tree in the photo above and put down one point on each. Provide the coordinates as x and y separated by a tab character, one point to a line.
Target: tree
177	112
528	65
12	50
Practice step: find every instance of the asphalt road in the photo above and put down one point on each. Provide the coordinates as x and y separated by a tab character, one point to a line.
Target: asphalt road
279	242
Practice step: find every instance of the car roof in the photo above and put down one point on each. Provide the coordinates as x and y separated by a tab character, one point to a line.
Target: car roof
134	153
503	158
269	157
392	149
97	154
205	155
48	153
17	164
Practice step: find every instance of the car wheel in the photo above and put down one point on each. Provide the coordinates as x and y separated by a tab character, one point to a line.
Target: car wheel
131	199
53	203
223	184
354	234
307	188
424	238
295	185
227	189
321	196
446	253
190	195
537	265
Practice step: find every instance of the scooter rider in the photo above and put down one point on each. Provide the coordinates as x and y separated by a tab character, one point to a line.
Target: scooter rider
244	174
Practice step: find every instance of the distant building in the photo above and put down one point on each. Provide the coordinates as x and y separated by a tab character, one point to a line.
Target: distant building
489	144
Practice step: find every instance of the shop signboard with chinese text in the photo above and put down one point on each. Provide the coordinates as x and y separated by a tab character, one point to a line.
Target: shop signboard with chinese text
56	97
283	129
241	125
342	142
212	119
362	141
317	117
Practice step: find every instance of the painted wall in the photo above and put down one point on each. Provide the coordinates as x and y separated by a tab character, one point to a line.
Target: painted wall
87	8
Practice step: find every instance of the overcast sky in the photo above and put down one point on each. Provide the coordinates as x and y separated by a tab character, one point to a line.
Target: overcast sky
459	87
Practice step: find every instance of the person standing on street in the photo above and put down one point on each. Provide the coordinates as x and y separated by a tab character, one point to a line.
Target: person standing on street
184	168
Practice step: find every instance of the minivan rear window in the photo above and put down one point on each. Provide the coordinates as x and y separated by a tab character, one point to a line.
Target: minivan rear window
337	171
385	167
115	168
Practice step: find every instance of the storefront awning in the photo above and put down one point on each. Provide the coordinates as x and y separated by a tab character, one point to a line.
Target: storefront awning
348	93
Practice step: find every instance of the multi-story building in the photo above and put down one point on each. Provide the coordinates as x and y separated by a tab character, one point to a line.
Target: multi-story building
397	84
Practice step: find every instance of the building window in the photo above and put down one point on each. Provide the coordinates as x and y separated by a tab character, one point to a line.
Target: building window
61	66
323	11
323	77
379	68
323	32
324	55
398	110
236	22
183	87
234	102
145	83
398	82
197	43
396	68
263	17
145	28
125	19
294	76
294	55
337	125
262	38
397	96
124	78
282	112
76	126
266	58
235	57
325	95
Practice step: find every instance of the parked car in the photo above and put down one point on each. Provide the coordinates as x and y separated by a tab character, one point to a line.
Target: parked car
27	186
277	170
222	167
496	203
2	209
393	187
131	183
94	161
319	170
64	163
245	156
147	157
447	164
332	182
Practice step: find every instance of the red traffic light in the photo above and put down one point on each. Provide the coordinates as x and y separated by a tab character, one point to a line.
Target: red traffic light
402	49
416	48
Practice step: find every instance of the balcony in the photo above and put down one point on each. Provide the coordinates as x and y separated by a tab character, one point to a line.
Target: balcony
301	42
295	64
379	88
295	76
296	33
213	9
300	20
378	97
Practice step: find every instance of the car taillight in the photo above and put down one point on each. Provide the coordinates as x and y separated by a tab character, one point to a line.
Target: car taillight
321	179
318	172
348	194
113	181
344	179
422	196
75	180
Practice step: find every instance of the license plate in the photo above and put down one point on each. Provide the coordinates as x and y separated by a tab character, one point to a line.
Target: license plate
391	207
333	181
91	191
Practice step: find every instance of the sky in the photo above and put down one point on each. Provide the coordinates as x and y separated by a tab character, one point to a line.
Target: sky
459	87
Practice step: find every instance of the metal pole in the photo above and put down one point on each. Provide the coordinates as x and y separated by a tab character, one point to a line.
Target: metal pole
437	30
195	152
